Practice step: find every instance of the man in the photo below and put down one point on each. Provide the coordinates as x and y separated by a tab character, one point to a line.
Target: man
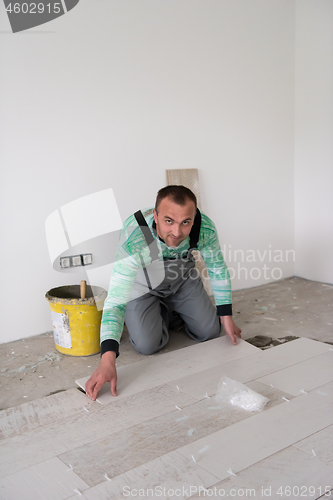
154	276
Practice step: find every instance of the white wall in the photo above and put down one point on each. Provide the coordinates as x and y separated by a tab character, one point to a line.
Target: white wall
115	92
314	140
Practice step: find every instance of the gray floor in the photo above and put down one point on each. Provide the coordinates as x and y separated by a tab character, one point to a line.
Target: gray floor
32	368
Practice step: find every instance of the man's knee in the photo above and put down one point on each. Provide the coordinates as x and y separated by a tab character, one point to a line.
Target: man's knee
206	330
143	346
148	341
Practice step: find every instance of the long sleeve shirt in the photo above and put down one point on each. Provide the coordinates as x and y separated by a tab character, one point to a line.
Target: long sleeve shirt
133	253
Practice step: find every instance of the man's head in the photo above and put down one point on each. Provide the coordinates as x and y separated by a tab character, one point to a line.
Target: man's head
174	214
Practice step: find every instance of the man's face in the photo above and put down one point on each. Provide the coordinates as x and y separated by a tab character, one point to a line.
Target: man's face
174	222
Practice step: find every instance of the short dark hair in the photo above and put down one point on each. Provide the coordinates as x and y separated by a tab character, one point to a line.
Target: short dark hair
178	194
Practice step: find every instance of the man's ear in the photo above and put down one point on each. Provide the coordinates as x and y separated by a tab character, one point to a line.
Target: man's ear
155	215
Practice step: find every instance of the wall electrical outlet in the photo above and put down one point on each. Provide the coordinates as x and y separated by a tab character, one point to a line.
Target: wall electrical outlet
84	259
65	262
87	259
76	260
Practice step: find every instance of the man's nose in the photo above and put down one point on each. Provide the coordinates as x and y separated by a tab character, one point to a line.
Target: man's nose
177	231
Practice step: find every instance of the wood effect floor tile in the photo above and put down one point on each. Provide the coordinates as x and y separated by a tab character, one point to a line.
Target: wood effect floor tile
42	411
158	369
169	476
297	350
251	367
37	445
147	441
306	375
42	443
262	435
50	479
319	444
287	474
152	428
133	447
243	370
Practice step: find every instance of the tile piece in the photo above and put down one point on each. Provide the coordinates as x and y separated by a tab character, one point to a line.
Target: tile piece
287	474
307	375
297	350
50	479
258	437
251	367
42	411
158	478
116	454
321	443
84	427
161	368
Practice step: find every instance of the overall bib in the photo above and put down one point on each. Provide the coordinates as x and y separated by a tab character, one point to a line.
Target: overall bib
166	286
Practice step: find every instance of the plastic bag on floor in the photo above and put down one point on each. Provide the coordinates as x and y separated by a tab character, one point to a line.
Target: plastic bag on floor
233	392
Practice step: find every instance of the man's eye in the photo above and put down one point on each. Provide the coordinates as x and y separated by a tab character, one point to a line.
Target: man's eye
168	221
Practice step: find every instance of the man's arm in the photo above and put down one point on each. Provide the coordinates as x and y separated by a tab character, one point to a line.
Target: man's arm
111	328
124	271
218	273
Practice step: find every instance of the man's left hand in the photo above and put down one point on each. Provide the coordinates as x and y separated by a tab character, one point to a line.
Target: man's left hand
230	328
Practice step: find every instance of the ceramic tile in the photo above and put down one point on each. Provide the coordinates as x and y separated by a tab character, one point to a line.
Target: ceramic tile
150	404
262	435
287	474
128	437
132	379
250	367
155	437
42	411
203	355
87	426
243	370
319	444
47	441
162	477
50	479
306	375
118	453
297	350
159	369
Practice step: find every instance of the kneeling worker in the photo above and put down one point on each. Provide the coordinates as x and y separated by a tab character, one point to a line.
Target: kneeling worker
154	276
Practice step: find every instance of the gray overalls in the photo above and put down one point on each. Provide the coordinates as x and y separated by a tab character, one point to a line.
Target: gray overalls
164	287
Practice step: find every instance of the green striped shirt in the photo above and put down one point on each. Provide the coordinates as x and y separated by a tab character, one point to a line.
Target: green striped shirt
133	253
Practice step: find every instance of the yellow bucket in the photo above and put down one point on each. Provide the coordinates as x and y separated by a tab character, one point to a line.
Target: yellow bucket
76	321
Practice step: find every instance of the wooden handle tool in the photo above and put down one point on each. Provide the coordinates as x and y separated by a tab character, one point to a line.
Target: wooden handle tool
83	288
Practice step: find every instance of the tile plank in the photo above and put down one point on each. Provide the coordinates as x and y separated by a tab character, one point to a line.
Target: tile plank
321	443
307	375
50	479
262	435
169	476
31	447
42	411
287	474
142	443
252	367
162	368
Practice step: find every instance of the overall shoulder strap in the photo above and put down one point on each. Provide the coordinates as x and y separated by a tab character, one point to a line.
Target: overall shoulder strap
150	240
195	231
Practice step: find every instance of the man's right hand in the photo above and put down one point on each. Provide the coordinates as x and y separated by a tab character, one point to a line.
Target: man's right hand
106	372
